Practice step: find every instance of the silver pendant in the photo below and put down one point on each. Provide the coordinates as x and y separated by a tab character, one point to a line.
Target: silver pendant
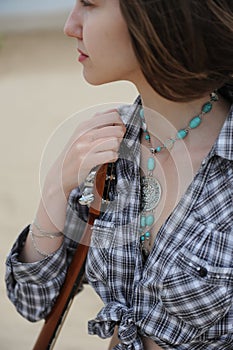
150	193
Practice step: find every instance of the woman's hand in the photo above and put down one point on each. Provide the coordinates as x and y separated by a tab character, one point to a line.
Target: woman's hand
94	142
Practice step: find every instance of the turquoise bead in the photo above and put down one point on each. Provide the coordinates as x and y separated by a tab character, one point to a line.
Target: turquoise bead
150	220
147	137
158	149
142	238
143	221
147	234
141	113
207	107
182	134
151	164
195	122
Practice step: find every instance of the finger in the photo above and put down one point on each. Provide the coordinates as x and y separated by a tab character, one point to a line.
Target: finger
105	157
109	118
111	110
92	129
91	160
110	144
106	132
98	121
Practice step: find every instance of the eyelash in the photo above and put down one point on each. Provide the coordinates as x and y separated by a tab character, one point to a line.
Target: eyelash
85	3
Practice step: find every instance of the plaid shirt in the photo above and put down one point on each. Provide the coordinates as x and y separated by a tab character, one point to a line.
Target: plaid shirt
181	297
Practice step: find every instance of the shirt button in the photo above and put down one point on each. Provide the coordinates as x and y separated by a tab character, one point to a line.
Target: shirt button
202	272
203	162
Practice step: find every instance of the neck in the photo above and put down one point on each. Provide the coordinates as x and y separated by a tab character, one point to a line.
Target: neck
164	118
176	113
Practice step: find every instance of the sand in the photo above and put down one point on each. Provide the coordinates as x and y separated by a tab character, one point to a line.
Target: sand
41	85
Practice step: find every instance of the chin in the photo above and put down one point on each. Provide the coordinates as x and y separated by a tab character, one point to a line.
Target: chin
96	81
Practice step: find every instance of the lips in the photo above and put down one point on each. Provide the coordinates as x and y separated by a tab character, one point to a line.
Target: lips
82	56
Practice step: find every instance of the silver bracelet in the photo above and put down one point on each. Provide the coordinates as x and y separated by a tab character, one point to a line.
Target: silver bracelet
35	245
45	233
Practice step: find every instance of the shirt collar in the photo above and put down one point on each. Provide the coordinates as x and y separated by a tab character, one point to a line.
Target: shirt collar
130	117
224	144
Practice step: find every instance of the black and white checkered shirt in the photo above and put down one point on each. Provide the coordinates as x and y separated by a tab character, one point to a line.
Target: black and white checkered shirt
182	296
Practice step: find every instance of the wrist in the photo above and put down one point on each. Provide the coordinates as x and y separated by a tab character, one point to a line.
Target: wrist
41	245
51	213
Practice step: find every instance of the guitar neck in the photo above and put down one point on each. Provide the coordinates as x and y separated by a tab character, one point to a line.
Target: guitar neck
61	321
53	323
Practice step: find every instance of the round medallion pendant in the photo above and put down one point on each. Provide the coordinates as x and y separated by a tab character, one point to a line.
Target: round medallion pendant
150	193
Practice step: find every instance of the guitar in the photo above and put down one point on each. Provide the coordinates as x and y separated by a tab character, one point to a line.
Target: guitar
55	320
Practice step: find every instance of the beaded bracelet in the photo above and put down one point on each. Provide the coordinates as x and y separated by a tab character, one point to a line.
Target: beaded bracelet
43	233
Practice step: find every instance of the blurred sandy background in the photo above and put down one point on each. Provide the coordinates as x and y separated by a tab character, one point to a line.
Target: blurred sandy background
41	85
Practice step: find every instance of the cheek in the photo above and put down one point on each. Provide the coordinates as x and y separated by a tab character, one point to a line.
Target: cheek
110	43
110	50
120	42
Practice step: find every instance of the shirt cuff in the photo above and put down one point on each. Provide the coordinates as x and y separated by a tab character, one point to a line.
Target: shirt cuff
38	272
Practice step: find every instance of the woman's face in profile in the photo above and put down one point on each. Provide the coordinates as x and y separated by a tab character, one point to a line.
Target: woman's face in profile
103	41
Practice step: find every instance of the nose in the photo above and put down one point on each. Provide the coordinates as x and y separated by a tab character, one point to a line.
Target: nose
73	25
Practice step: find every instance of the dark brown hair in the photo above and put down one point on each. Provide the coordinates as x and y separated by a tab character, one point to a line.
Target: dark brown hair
184	47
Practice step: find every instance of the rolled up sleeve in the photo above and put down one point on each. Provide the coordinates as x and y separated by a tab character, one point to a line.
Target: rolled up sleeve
34	287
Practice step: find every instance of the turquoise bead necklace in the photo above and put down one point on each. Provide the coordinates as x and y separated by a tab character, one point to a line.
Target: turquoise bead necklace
151	191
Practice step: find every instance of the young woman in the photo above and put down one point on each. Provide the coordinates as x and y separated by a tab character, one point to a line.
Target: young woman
161	256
